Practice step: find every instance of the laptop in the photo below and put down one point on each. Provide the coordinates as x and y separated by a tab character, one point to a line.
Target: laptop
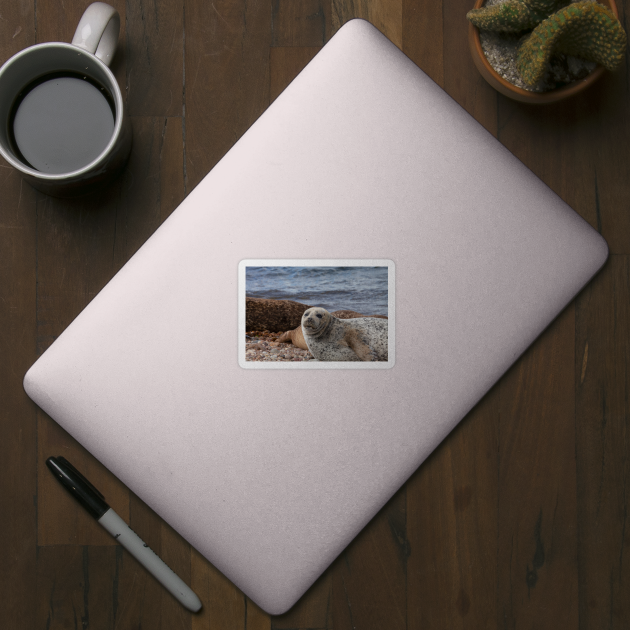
269	468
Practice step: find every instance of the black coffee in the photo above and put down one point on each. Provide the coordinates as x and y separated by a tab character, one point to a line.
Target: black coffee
61	123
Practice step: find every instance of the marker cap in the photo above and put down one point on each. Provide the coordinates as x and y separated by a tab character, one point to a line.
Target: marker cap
78	486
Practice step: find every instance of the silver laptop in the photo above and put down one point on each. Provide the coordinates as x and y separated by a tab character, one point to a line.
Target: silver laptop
363	162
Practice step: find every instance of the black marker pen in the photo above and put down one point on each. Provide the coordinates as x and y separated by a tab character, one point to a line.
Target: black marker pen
94	502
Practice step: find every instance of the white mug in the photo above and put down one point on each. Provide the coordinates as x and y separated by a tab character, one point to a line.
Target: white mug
61	106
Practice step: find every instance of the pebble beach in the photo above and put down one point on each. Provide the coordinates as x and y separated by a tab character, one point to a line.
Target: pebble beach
264	346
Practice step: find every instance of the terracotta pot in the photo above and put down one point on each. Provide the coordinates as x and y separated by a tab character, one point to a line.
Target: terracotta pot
518	94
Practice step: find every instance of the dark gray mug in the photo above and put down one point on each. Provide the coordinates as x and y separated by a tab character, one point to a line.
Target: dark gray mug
51	72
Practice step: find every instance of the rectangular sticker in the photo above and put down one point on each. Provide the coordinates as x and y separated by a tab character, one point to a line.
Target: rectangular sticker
316	314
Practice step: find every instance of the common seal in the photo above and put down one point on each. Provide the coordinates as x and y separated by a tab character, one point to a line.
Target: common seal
332	339
296	336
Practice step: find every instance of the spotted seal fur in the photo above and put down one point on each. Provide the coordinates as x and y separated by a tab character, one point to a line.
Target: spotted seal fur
332	339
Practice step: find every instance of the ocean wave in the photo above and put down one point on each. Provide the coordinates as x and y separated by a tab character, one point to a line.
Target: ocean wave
363	289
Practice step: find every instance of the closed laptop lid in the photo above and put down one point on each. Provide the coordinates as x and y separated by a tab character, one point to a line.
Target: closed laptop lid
362	161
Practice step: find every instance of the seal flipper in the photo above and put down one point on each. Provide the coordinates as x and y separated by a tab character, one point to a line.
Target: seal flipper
296	337
353	340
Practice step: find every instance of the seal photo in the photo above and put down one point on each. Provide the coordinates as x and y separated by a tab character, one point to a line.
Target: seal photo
332	339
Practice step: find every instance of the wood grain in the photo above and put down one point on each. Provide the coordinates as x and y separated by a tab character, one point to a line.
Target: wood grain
452	515
18	416
461	79
369	577
602	380
147	603
76	587
609	134
226	78
154	57
517	520
300	22
422	36
537	510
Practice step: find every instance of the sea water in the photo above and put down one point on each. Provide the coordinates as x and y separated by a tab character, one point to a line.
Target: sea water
361	289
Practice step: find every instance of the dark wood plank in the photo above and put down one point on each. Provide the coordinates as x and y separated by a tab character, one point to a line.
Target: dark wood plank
386	15
154	57
452	527
300	22
18	416
17	28
369	577
461	78
76	587
18	421
142	600
537	537
608	126
422	36
603	443
255	618
226	78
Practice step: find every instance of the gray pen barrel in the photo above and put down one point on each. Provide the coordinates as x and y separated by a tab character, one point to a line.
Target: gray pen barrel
149	559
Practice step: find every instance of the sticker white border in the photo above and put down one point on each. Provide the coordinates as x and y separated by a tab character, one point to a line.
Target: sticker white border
318	262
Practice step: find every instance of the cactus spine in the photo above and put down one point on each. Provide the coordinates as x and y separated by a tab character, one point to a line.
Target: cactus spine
513	16
583	29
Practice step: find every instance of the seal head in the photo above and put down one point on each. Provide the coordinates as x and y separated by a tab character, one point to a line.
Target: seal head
316	322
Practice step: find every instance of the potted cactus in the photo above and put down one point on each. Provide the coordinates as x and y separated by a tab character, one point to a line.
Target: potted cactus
558	49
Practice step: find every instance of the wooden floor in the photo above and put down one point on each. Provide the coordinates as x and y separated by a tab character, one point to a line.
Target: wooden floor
518	520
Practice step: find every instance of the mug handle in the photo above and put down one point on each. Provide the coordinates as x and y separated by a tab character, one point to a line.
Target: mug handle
98	30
